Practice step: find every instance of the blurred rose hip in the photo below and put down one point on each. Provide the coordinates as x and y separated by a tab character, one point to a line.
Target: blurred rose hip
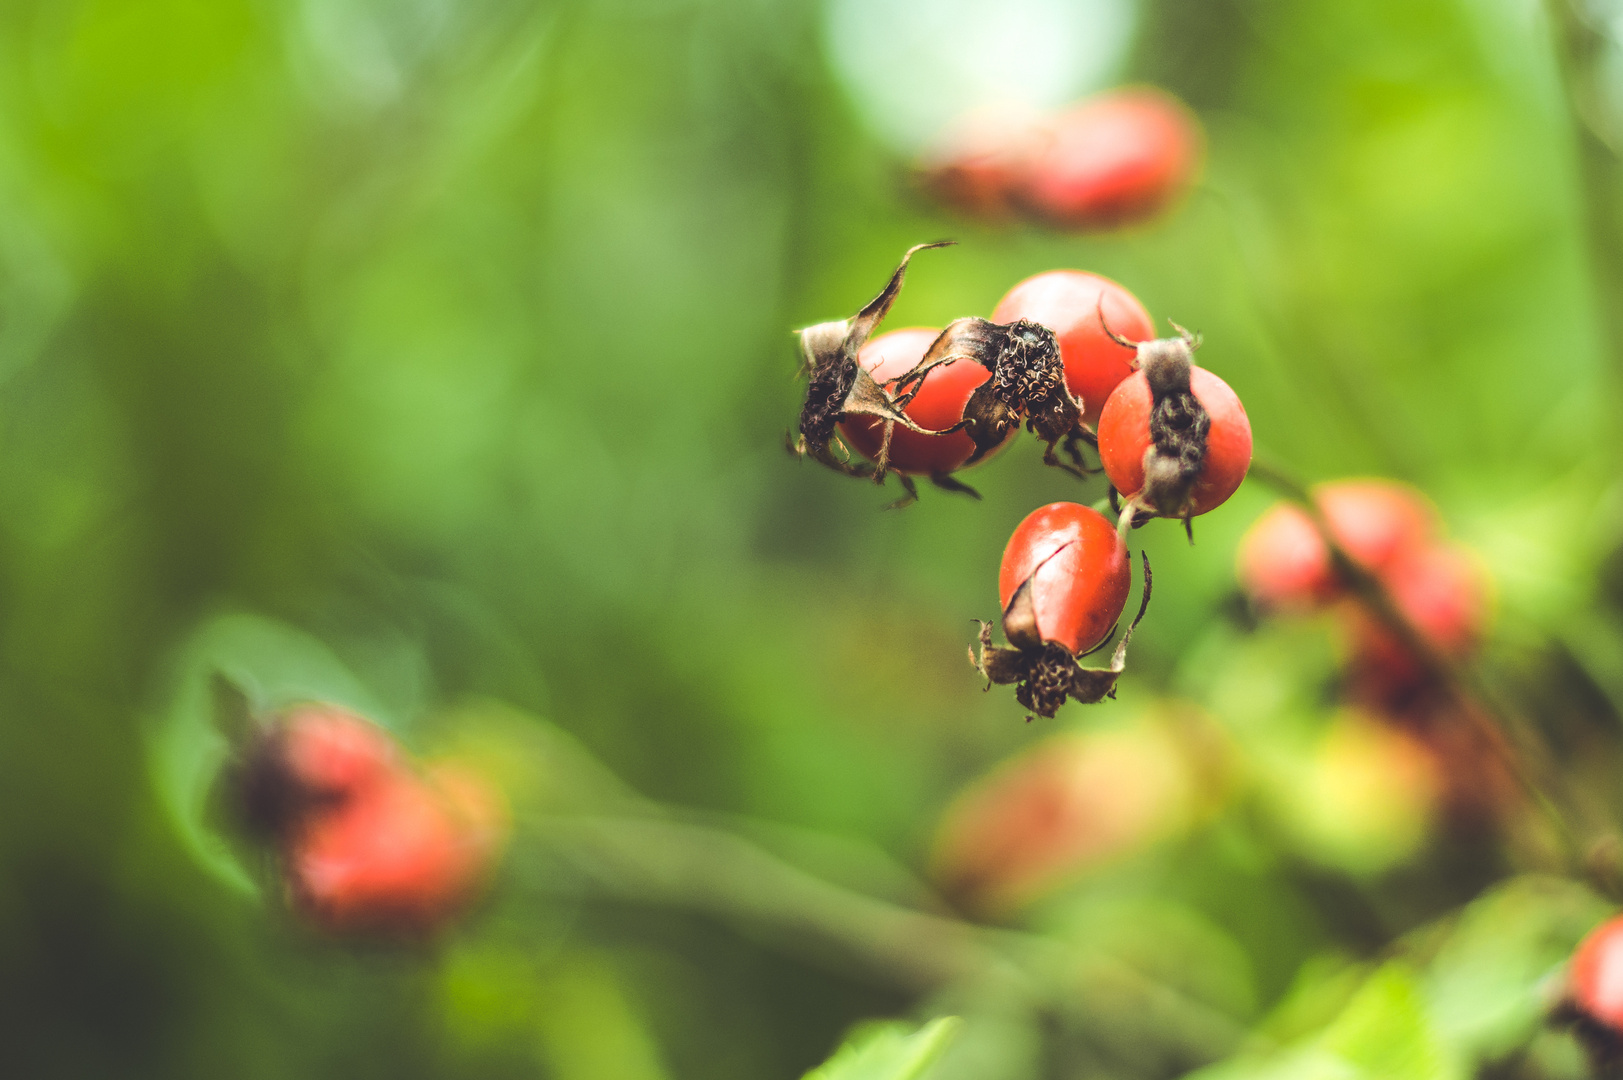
1442	590
328	750
1283	564
1069	804
369	843
1112	160
1365	799
978	163
404	854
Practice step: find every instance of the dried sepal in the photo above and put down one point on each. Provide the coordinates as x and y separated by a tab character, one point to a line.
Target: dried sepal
1179	426
838	387
1027	385
1045	673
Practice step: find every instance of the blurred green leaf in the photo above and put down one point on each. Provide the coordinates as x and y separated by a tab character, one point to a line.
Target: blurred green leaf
1383	1033
1386	1031
1476	990
1489	985
889	1052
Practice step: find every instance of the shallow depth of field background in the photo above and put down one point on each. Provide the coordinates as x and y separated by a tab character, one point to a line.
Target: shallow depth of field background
457	336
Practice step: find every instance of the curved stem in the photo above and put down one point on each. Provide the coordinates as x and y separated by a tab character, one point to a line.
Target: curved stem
657	860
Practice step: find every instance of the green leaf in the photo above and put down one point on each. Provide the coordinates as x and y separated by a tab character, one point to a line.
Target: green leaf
233	668
1481	995
1487	984
1384	1033
889	1052
1386	1030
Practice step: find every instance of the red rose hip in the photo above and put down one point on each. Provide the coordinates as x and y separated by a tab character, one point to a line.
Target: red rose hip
979	162
1063	584
1113	160
1078	571
1174	439
938	405
1443	593
327	751
402	855
1377	521
1069	303
1283	563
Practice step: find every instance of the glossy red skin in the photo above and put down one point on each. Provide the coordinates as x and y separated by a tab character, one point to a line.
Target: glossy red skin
400	854
1124	435
1068	302
1079	593
938	405
1443	591
329	751
1595	975
1113	160
1282	563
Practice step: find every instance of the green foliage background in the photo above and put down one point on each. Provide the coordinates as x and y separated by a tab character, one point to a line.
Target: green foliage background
457	337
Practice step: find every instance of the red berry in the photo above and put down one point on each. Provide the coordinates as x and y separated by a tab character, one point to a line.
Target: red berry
1115	159
1078	593
1443	593
402	854
1067	805
1595	976
1124	436
1282	561
1377	521
327	751
978	162
1068	302
939	404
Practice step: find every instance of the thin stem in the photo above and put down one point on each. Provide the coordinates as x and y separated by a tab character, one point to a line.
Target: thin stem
677	864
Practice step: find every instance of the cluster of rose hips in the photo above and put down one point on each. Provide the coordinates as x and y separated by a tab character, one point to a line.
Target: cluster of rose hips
1112	160
368	841
1387	535
1072	356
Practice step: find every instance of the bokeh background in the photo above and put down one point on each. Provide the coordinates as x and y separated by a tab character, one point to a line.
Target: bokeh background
456	337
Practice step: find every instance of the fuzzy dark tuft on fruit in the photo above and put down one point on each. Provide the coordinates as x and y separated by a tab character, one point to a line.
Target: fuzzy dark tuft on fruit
1173	438
838	387
1045	673
1178	424
1027	384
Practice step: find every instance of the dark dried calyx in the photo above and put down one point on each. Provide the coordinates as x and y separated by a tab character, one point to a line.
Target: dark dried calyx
1027	384
1045	674
1179	426
838	387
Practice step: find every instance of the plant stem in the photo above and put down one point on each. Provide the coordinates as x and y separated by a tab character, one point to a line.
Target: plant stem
676	864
